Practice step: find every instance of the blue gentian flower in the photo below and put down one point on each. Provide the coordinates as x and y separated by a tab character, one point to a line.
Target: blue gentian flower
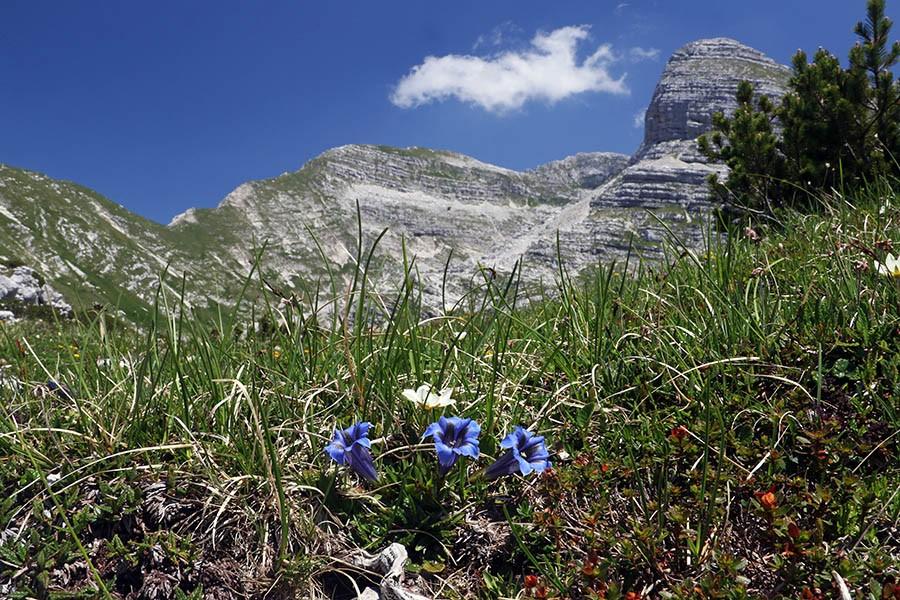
453	437
526	453
60	390
351	447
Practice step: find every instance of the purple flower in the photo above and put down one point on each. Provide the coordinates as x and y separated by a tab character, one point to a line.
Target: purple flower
453	437
526	453
351	447
60	390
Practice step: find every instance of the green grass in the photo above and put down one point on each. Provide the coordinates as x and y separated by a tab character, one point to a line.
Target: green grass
673	395
413	152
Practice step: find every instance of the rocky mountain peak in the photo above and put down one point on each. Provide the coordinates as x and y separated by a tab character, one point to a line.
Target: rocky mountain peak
720	47
434	204
667	175
700	79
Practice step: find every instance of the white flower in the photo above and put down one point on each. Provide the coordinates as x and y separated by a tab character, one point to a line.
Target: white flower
890	267
425	397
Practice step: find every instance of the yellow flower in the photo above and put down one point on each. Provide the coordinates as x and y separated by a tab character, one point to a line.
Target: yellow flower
424	396
890	266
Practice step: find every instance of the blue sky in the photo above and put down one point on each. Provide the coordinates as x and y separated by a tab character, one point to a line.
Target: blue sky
169	104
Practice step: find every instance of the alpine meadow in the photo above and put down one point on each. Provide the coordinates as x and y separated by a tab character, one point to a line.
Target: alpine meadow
405	373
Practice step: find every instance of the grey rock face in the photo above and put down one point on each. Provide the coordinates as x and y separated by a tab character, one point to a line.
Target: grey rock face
23	286
700	79
667	175
670	173
431	202
587	170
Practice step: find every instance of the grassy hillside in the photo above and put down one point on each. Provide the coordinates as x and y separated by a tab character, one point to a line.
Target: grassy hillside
94	250
722	424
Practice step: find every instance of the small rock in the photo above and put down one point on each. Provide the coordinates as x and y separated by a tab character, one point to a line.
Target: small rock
389	563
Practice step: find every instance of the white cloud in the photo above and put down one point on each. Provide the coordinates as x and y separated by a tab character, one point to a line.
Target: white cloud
637	54
500	34
621	6
548	70
638	120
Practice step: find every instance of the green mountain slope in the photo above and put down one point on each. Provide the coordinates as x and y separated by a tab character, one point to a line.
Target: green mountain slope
433	202
92	249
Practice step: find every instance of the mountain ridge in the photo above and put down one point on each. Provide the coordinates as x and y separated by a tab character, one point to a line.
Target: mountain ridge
433	203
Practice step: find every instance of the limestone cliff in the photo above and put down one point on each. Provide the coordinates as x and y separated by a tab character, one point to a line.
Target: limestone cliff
667	175
699	80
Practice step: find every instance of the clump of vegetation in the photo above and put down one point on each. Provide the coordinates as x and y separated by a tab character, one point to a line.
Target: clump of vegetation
27	310
719	424
11	263
835	129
